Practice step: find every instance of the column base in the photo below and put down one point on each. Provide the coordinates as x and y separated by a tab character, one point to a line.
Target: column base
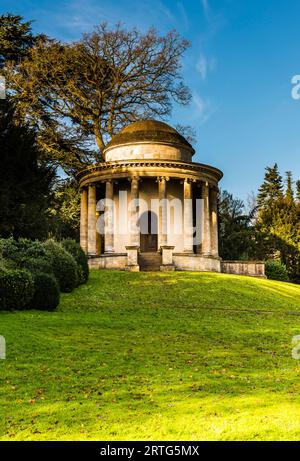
132	268
167	268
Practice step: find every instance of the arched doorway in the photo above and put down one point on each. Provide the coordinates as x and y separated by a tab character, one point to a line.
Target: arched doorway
149	230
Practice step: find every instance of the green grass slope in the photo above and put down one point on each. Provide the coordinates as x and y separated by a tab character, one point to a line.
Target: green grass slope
155	356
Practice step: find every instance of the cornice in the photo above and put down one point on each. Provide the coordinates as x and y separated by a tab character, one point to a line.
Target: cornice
120	166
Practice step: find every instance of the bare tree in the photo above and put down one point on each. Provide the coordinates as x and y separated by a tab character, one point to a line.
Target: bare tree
78	95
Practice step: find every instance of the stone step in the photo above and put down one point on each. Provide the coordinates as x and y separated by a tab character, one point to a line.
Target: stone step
150	261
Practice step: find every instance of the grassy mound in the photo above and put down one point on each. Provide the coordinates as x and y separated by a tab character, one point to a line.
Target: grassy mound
155	356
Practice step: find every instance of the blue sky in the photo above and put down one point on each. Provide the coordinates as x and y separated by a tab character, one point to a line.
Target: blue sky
243	55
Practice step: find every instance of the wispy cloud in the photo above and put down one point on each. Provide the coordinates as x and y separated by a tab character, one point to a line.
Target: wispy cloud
204	65
183	15
202	109
201	66
206	8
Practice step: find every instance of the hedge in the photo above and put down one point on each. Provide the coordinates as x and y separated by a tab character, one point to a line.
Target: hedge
46	292
72	247
16	288
63	264
276	270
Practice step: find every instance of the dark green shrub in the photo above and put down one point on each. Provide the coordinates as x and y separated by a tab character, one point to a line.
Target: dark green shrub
275	270
16	288
34	265
72	247
9	248
63	264
15	249
46	292
31	248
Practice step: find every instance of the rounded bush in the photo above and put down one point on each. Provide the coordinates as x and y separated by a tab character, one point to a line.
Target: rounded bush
9	248
276	270
16	288
63	264
16	249
34	265
46	292
72	247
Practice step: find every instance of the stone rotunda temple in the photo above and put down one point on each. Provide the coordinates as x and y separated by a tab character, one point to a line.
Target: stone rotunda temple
150	162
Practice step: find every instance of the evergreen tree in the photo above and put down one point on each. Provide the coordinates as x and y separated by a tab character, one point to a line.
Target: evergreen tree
15	38
272	187
65	210
298	190
289	192
25	185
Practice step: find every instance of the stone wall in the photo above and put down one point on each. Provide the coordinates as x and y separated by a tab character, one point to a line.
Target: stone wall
148	150
194	262
252	268
109	261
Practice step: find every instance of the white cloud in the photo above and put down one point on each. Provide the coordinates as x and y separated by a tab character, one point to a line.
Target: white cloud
202	109
183	15
201	66
206	7
204	65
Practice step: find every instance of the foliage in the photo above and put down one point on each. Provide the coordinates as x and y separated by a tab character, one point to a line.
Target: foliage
82	93
16	288
275	270
15	38
46	292
21	248
64	212
35	265
272	187
279	217
80	257
237	239
110	366
25	183
64	266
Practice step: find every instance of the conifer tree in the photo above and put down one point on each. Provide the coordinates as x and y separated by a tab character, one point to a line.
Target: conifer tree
272	187
289	192
25	183
298	190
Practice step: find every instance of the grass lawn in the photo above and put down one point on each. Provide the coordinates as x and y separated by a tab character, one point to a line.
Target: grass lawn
173	356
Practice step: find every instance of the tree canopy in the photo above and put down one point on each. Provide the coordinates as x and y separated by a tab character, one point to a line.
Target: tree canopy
25	184
16	38
78	95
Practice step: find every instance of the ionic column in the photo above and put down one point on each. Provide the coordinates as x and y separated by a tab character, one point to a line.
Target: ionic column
214	221
187	216
109	218
162	211
98	237
84	219
92	221
134	212
206	242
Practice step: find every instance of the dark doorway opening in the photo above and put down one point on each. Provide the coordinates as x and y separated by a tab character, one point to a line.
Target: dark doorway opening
149	231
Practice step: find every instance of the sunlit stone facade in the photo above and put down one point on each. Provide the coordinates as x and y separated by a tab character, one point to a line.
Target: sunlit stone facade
175	221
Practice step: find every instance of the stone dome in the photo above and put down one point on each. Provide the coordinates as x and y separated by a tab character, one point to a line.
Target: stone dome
148	139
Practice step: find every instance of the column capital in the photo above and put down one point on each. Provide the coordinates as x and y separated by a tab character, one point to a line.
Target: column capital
162	178
134	178
188	180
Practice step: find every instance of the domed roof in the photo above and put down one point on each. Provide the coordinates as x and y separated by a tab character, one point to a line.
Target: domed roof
149	131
